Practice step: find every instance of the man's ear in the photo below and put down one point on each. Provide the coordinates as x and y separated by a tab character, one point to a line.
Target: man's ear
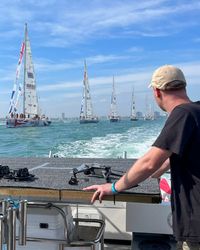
157	92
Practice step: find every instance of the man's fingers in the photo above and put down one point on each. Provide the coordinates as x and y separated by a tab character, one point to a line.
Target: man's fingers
95	196
100	191
90	188
100	197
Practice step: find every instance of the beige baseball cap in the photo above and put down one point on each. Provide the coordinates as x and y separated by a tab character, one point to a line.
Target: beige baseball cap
168	77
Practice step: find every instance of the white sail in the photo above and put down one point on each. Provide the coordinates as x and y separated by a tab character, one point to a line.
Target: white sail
86	114
149	114
14	100
113	107
28	115
30	94
133	116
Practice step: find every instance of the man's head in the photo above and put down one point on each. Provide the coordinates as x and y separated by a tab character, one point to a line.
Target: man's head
168	83
168	77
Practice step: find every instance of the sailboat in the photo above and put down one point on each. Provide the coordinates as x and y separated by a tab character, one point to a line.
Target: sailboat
133	116
86	114
30	116
149	115
114	117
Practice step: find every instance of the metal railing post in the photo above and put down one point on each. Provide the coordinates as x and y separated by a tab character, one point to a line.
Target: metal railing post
1	231
11	221
22	222
4	207
125	154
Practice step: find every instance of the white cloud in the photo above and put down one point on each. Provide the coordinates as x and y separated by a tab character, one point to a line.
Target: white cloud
69	23
44	65
122	37
124	83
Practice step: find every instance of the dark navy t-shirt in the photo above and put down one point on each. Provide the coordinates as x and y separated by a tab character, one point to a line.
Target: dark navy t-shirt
181	136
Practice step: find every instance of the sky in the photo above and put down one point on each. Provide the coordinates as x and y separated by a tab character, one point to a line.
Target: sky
127	39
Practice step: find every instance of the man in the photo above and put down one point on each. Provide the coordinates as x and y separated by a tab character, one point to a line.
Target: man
177	144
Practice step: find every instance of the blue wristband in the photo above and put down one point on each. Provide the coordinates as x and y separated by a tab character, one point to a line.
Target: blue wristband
113	189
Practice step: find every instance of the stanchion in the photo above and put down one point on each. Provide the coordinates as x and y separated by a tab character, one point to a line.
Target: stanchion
1	232
22	222
11	221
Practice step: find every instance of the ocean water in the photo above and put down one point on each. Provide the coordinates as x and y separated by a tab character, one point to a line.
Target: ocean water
68	138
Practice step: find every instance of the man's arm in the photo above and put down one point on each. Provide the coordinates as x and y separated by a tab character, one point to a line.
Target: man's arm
165	166
141	170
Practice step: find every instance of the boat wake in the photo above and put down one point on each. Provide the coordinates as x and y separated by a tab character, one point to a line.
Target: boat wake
134	142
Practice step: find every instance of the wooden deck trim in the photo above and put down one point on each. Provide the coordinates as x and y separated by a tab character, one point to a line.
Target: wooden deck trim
74	195
30	192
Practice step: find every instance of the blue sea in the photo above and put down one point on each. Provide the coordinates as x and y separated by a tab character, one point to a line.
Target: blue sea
69	138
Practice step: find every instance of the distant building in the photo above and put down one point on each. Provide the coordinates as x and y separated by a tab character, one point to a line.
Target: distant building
63	116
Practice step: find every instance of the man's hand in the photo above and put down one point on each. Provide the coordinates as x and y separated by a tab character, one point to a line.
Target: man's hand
100	191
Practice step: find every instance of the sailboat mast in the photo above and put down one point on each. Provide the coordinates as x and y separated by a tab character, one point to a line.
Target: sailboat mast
25	42
86	115
133	104
85	88
113	100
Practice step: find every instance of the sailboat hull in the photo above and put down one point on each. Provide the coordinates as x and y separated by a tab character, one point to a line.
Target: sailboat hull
89	121
115	119
133	119
19	123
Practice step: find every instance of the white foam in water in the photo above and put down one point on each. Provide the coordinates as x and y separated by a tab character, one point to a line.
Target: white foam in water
135	141
70	139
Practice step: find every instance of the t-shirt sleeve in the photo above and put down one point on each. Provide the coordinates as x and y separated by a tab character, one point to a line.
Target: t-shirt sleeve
177	131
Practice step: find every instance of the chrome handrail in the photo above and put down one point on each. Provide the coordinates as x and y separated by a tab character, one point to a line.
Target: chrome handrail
9	215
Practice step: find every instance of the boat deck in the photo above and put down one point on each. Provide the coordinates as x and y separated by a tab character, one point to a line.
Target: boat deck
52	184
53	175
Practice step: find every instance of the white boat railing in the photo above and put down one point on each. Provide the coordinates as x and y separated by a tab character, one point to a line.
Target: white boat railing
11	212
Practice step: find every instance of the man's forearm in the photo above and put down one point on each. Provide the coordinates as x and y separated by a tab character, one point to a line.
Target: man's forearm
142	169
162	169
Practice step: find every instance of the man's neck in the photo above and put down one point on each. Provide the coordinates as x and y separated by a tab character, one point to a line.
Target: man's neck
173	100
